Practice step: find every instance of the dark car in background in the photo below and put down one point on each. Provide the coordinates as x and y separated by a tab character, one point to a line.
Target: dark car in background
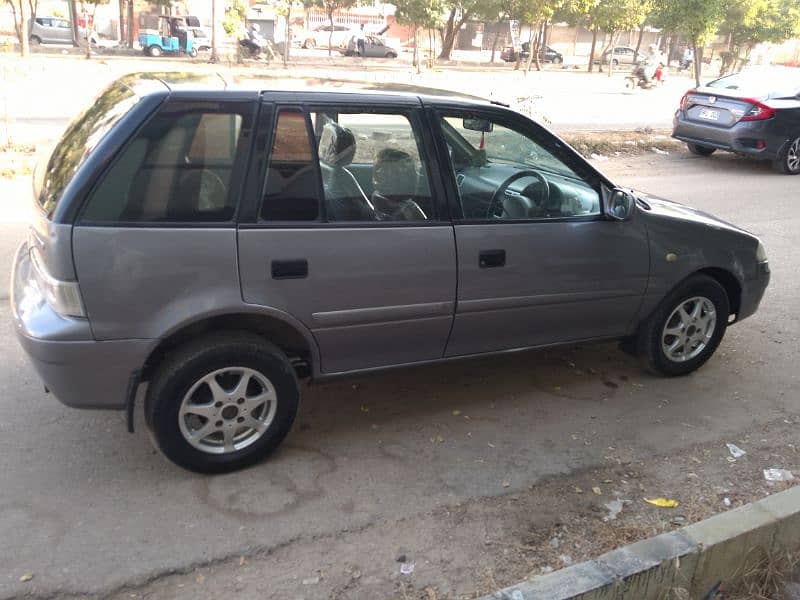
547	54
755	113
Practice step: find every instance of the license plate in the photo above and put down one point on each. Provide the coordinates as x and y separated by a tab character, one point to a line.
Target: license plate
708	114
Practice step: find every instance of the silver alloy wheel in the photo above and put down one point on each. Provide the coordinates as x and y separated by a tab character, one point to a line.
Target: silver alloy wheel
227	410
793	156
689	329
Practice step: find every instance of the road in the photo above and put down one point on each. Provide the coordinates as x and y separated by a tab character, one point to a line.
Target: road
87	508
42	96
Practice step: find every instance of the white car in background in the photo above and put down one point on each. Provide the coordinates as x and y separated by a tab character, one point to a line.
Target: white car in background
320	36
55	30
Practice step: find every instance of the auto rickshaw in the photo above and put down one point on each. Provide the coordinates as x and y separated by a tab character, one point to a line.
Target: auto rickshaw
173	37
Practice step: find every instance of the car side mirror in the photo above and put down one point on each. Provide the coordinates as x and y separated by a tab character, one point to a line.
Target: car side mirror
620	205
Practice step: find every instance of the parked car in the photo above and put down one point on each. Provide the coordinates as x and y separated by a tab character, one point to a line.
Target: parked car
320	36
622	55
374	47
755	113
55	30
201	38
372	229
547	54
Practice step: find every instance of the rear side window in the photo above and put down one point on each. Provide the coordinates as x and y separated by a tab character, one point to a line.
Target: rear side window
183	166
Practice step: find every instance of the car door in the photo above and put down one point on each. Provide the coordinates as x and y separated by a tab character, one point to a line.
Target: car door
539	262
350	236
62	30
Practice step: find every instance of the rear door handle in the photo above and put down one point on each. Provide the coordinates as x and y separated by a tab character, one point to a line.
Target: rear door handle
491	258
290	269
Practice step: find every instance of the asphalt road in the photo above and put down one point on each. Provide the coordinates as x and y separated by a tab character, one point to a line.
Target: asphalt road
86	507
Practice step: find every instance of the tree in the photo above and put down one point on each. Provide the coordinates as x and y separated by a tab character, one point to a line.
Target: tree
615	16
697	19
89	27
330	7
418	13
458	12
19	10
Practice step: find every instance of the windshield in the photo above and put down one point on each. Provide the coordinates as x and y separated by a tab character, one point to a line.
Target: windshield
79	140
501	145
777	83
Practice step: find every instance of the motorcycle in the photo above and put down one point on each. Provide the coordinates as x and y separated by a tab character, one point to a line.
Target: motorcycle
253	45
638	77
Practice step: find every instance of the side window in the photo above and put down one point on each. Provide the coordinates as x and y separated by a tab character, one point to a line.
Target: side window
503	174
372	167
179	168
292	190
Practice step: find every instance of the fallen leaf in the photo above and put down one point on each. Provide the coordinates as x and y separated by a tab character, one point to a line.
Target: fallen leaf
431	593
364	408
439	439
597	491
578	490
242	561
506	484
200	578
491	445
663	502
608	481
26	577
456	413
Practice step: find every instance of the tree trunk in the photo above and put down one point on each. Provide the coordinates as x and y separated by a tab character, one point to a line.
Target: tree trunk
639	41
121	22
415	59
129	28
612	45
530	57
698	60
88	30
330	36
73	19
450	32
591	52
214	56
17	29
24	42
539	44
287	40
494	42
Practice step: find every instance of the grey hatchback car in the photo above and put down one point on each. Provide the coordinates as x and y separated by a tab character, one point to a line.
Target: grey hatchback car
755	113
215	243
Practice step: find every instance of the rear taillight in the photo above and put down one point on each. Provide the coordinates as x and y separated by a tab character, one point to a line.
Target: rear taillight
685	101
758	112
64	297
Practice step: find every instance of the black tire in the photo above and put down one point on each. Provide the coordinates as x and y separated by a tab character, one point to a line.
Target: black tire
649	338
788	160
182	369
698	150
558	60
193	52
391	55
309	44
614	63
35	40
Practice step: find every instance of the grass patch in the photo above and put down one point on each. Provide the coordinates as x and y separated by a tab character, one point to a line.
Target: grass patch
628	143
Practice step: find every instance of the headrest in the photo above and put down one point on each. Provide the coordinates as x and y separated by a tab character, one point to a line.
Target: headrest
337	145
394	172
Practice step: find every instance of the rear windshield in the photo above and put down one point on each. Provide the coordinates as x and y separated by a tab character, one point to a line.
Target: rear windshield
79	140
778	83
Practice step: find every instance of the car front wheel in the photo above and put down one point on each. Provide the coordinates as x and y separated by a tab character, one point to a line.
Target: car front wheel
788	161
222	403
686	328
154	51
698	150
558	60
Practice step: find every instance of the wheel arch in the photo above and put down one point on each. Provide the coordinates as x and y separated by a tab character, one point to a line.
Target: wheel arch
282	330
729	281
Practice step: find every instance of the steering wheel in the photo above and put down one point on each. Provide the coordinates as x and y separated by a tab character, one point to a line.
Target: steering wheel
497	196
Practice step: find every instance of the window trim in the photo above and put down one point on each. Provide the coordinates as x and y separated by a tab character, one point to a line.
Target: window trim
416	118
520	125
246	109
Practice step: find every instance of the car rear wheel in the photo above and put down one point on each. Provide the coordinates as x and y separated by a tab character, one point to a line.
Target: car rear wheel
615	63
35	40
222	403
391	55
193	52
686	328
788	161
699	150
154	51
558	60
309	44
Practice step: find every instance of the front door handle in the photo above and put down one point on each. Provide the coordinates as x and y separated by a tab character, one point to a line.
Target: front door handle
491	258
290	269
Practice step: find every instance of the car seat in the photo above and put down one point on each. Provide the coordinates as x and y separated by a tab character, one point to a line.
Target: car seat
395	180
344	198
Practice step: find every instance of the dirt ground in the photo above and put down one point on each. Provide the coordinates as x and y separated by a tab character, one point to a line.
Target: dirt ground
466	550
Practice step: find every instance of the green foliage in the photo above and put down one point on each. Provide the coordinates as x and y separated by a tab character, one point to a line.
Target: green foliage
331	6
697	19
234	17
419	13
619	15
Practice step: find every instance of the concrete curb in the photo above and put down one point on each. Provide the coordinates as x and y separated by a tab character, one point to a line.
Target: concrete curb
696	558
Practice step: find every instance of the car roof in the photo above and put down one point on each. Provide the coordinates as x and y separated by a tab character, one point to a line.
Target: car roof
188	84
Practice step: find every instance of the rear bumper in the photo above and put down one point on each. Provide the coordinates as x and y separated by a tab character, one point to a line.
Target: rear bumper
79	371
753	291
739	138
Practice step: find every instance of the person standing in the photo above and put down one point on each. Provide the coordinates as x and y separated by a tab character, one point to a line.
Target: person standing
361	41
